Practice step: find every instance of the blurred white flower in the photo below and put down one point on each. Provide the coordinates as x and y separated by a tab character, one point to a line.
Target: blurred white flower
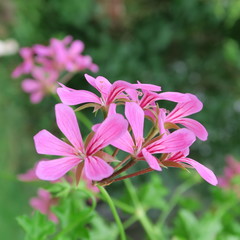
8	47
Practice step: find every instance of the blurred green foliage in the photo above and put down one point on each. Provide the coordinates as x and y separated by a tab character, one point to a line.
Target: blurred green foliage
186	46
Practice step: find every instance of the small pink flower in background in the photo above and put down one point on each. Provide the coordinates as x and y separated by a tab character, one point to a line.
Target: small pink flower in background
231	170
28	176
63	55
27	65
95	168
45	64
42	83
43	203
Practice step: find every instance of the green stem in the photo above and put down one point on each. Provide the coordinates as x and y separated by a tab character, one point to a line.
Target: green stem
81	117
67	77
114	212
125	207
130	221
140	212
174	200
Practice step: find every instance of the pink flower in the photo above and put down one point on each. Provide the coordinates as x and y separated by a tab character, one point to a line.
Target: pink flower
27	65
64	55
43	203
95	168
43	82
183	109
29	176
148	97
109	92
231	170
181	157
173	142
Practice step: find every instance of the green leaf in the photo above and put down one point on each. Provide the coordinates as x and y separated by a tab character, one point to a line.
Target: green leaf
36	227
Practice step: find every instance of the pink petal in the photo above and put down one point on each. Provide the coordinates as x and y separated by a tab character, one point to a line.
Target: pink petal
39	73
68	124
26	52
149	87
30	85
103	86
204	172
174	96
97	169
36	97
151	160
59	50
161	120
73	97
76	48
52	217
111	129
149	113
42	50
125	143
133	94
52	170
28	176
46	143
39	205
186	108
197	128
117	88
18	71
95	127
112	109
91	80
174	142
135	116
148	98
67	40
94	68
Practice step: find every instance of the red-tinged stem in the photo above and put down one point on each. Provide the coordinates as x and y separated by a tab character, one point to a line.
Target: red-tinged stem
115	152
109	180
122	162
133	174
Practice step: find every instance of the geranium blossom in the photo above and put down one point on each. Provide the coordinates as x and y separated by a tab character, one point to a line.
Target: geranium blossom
42	83
231	170
64	55
176	141
43	203
95	168
109	92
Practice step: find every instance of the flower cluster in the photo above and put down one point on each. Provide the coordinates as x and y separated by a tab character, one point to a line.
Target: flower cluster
165	145
231	171
46	64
